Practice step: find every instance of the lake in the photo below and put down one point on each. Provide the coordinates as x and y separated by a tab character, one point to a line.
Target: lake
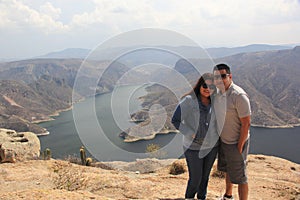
97	127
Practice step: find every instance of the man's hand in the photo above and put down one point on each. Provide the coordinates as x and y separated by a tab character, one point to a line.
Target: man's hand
240	147
245	121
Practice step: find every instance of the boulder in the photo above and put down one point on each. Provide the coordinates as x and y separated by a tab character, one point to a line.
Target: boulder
18	145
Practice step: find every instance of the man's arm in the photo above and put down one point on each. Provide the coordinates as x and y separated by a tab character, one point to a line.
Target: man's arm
245	121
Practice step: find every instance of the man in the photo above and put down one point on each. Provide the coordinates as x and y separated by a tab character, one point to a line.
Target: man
232	107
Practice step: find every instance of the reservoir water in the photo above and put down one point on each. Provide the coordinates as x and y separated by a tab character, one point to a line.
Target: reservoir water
106	144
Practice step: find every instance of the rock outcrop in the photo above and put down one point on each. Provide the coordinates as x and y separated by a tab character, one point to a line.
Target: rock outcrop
18	145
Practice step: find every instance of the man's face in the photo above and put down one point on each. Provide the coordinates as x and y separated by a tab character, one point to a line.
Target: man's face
222	79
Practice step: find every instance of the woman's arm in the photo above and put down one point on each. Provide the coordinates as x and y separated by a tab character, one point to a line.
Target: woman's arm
180	115
176	119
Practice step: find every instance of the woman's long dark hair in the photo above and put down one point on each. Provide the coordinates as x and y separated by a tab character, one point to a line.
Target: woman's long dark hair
195	92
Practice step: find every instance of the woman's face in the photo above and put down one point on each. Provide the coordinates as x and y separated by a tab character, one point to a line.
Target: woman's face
207	89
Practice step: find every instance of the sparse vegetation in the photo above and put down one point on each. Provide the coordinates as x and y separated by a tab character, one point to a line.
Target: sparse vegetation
152	148
102	166
88	161
84	160
177	168
82	155
154	151
54	179
68	178
216	173
46	154
73	159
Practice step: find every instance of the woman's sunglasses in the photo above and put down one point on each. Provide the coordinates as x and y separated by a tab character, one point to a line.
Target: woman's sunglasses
211	86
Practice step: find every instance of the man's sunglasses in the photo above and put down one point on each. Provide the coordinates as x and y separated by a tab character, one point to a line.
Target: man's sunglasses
223	76
211	86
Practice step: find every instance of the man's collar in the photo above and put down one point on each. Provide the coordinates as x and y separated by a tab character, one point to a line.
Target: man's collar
228	91
230	86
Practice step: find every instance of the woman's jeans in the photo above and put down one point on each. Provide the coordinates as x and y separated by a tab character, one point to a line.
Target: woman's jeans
199	170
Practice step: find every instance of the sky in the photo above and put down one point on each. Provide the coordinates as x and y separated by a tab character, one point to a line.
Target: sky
31	28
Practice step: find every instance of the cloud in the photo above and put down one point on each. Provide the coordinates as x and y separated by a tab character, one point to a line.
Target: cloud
210	23
119	15
49	10
131	14
172	14
17	16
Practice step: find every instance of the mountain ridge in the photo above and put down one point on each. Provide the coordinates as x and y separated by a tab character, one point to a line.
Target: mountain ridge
270	79
214	52
34	90
39	88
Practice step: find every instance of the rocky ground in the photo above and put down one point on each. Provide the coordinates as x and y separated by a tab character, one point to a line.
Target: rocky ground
269	178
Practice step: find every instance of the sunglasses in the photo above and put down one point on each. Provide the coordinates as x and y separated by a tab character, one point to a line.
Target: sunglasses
211	86
223	76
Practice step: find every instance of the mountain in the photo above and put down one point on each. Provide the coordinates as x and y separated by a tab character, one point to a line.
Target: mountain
271	78
23	104
68	53
33	90
272	81
223	51
137	55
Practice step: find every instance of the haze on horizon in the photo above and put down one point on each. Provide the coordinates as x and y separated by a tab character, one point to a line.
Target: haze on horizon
31	28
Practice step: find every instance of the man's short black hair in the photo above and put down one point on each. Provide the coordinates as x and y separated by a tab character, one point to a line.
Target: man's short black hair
222	66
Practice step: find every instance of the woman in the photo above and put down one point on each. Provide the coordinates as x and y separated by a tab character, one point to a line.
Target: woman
194	118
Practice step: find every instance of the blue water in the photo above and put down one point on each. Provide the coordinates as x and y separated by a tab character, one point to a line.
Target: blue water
105	144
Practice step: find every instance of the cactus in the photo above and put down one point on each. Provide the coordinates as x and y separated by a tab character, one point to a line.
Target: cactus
84	160
88	161
47	154
82	155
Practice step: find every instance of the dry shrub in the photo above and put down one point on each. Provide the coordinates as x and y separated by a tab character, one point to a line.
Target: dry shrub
102	166
152	148
154	151
177	168
73	159
260	158
216	173
68	178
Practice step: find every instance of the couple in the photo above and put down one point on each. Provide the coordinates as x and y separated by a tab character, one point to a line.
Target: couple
203	116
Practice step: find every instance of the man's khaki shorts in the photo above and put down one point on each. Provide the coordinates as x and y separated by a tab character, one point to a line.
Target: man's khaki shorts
233	163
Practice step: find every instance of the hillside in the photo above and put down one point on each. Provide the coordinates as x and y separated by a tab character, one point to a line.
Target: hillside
23	104
34	90
214	52
224	52
272	82
270	79
269	178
